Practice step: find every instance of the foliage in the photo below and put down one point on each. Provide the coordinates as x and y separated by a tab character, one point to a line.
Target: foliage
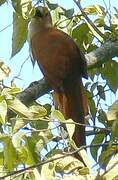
27	133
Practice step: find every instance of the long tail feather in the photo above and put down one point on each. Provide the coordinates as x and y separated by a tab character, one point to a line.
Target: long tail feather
72	102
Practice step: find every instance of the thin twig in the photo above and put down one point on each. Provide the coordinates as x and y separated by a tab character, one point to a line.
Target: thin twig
85	125
40	130
6	27
108	11
53	159
88	133
19	73
91	133
47	119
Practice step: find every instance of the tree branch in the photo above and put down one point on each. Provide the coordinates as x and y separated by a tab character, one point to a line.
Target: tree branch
54	159
102	54
35	90
94	58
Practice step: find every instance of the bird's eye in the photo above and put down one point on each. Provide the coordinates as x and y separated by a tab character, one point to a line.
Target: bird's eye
38	13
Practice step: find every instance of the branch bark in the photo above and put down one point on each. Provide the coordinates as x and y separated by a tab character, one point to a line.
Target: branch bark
102	54
94	58
33	91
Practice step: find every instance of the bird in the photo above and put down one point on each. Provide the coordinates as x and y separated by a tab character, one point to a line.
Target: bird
63	65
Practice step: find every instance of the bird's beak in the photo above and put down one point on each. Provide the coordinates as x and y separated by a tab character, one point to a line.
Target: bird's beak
40	12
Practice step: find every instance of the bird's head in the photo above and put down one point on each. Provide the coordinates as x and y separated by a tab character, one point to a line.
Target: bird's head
41	12
42	17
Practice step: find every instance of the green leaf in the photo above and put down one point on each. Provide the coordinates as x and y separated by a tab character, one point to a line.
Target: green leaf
96	140
100	10
115	130
22	7
106	154
18	107
14	90
38	111
55	16
19	35
17	6
90	48
92	105
112	113
90	10
36	173
102	117
3	137
26	8
4	70
35	112
101	91
5	93
18	138
99	22
2	2
48	171
60	20
70	127
95	10
22	153
1	158
31	149
26	151
47	136
67	164
53	152
48	108
3	111
57	115
40	145
84	171
19	123
43	139
9	93
52	6
40	124
94	32
81	34
69	13
111	78
112	170
10	155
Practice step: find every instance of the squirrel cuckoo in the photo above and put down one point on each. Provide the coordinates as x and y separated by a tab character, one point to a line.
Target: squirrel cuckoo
63	66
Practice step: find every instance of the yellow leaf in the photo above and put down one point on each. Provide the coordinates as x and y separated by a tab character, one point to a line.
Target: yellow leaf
112	113
70	127
112	168
4	70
